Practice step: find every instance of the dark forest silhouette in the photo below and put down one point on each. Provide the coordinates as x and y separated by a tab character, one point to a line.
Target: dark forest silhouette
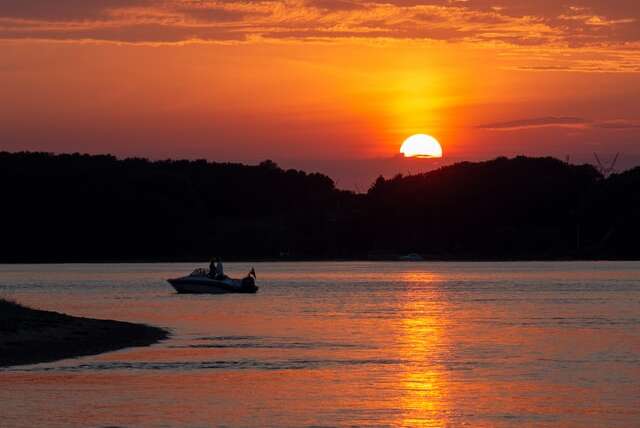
98	208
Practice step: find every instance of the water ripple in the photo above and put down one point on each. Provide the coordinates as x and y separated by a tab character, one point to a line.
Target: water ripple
244	364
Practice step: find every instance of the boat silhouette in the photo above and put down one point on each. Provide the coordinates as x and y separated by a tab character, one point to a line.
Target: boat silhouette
201	282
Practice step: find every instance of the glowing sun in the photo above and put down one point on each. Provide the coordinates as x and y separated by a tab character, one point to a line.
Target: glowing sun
421	146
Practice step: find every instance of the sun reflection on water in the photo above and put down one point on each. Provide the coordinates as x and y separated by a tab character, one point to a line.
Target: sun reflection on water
423	340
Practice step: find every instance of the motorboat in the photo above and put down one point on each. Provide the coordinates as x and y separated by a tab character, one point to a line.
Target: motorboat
200	282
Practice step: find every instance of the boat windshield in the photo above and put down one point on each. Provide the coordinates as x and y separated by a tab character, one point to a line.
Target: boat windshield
199	272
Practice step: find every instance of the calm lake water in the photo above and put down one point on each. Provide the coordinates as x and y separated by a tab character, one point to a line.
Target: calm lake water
343	344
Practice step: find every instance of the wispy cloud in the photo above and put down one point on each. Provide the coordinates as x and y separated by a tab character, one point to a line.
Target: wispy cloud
537	123
618	124
64	10
514	21
561	121
520	25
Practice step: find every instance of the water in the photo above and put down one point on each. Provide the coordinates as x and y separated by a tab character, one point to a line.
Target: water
343	344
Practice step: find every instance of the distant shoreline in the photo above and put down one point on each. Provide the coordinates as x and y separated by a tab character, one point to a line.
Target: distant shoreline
31	336
311	260
137	210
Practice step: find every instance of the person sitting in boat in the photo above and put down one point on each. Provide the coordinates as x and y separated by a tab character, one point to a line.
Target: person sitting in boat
219	269
213	271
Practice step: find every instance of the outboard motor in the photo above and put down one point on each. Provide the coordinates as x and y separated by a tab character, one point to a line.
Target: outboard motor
249	285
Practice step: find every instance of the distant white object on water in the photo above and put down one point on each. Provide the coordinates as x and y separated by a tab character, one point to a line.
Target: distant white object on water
413	257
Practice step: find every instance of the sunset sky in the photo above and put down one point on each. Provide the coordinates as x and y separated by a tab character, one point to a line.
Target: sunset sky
329	85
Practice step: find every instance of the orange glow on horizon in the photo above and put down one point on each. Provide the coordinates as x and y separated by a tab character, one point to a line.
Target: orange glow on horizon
336	95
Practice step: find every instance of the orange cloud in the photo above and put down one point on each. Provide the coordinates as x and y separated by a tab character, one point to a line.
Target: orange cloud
586	36
516	22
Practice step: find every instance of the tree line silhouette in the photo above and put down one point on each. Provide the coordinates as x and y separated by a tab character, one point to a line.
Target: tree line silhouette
75	207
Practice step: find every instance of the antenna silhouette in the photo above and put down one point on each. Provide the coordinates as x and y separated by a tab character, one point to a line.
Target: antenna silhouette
606	169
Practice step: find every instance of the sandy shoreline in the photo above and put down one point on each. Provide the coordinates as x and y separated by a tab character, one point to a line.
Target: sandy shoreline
29	336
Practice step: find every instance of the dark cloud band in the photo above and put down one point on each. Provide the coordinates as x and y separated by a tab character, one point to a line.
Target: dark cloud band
514	22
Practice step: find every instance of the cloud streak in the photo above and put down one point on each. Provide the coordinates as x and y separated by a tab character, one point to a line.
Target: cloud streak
609	31
560	121
515	22
537	122
618	124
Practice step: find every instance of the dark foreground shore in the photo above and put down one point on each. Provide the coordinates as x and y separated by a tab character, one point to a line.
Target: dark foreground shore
29	336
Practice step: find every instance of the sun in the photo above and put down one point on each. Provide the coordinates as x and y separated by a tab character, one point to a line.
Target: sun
421	146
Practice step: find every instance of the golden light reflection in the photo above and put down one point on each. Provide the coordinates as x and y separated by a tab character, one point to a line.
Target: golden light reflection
424	400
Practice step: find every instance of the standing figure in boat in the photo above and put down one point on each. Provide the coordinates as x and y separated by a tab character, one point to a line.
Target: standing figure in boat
219	269
212	269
